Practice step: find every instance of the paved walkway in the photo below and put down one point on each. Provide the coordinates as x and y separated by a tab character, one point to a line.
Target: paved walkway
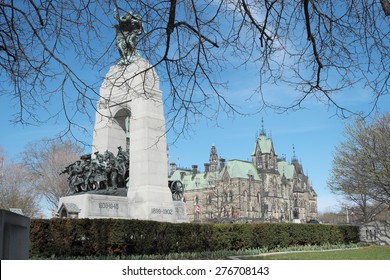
287	252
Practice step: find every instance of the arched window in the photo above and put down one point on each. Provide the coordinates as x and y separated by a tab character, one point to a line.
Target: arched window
230	196
122	119
271	160
245	195
209	199
225	213
196	200
259	161
296	214
245	202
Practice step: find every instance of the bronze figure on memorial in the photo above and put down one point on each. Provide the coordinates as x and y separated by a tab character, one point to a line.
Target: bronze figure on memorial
104	172
128	29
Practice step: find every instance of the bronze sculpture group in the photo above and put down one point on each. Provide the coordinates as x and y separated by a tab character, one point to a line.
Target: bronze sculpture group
105	171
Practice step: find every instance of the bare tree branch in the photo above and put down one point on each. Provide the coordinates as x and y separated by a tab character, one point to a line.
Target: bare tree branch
53	54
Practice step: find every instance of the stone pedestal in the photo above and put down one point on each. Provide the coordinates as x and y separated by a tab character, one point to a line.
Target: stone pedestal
95	206
180	211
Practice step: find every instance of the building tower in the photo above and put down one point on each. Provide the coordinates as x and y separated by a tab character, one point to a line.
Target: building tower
213	159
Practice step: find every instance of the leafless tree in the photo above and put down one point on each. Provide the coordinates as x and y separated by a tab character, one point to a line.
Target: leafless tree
44	160
361	165
219	202
16	190
54	52
354	214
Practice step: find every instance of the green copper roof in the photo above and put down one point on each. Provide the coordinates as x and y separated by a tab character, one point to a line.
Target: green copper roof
241	169
176	176
199	181
235	169
286	169
264	143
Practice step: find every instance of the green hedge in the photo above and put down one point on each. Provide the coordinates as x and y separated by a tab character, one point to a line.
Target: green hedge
100	237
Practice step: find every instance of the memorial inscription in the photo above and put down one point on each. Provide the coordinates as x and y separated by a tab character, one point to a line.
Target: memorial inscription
108	205
161	211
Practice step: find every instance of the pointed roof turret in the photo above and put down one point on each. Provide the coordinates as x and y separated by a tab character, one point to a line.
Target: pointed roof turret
263	143
296	163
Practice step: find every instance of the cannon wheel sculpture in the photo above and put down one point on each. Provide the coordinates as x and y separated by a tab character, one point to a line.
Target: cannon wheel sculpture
177	190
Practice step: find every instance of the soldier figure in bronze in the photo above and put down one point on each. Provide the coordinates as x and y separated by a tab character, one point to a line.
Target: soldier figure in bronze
128	29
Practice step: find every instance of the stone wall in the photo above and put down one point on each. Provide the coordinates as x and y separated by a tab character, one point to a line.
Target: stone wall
377	232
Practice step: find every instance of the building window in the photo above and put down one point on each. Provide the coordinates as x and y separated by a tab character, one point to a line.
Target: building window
196	200
296	214
245	202
197	212
245	195
259	161
231	196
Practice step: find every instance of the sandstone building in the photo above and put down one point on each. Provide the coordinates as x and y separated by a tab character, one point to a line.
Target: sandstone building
265	189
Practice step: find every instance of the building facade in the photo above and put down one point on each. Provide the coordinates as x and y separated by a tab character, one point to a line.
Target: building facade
265	189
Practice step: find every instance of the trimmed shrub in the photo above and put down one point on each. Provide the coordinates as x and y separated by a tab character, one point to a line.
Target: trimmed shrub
114	237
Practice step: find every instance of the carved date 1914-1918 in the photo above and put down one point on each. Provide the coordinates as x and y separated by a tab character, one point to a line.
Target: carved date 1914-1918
108	205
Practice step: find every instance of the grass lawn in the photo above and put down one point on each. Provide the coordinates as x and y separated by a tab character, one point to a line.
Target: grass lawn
365	253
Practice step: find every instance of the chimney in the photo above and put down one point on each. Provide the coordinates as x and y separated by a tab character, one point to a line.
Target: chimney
221	163
206	167
172	168
194	170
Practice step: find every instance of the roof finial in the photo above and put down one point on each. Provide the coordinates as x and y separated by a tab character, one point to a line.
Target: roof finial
294	157
262	127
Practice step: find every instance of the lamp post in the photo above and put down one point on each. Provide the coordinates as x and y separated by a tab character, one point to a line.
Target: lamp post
349	213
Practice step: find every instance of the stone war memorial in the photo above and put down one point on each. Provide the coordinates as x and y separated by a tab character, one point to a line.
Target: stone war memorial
126	176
